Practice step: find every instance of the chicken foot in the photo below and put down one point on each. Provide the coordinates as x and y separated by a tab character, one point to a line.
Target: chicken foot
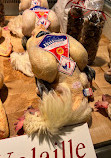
24	41
105	104
42	86
90	72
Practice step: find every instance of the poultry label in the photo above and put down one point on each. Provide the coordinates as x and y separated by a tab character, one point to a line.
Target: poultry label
88	92
42	14
56	45
40	11
66	66
35	3
44	22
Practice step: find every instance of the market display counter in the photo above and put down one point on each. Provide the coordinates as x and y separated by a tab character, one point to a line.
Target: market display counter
101	125
19	93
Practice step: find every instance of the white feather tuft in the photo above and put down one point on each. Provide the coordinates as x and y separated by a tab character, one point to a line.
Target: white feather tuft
56	112
21	62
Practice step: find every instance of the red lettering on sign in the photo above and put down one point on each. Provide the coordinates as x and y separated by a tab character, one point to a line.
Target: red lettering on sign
79	148
55	151
10	154
71	154
33	150
47	154
63	149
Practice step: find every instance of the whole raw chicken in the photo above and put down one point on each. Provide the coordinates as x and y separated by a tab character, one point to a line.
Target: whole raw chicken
26	23
62	101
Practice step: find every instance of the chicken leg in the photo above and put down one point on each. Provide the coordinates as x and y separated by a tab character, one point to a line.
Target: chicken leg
42	86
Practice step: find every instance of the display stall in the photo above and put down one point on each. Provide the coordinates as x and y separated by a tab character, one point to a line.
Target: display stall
55	78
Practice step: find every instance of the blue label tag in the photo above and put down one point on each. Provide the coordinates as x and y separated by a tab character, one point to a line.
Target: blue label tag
38	8
40	12
50	39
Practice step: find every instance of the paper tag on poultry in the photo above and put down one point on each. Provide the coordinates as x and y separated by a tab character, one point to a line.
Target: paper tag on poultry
66	66
56	45
35	3
44	22
87	92
40	11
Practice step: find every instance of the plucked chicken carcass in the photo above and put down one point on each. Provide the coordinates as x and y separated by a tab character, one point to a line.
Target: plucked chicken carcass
62	101
39	61
26	23
26	4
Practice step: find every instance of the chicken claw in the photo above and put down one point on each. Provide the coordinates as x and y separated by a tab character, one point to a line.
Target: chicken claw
19	124
43	86
90	72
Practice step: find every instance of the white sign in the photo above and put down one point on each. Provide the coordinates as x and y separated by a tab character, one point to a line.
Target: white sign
74	143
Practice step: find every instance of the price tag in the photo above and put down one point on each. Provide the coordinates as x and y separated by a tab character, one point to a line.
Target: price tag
66	65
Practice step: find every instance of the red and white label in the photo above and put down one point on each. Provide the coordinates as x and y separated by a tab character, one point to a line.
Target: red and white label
35	3
66	66
56	45
40	11
42	15
44	22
